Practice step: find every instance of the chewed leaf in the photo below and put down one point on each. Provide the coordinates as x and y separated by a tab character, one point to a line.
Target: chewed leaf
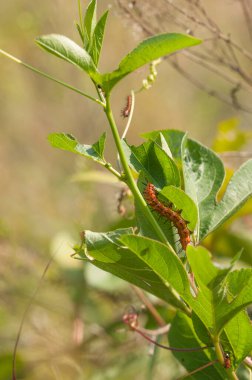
238	191
68	142
147	51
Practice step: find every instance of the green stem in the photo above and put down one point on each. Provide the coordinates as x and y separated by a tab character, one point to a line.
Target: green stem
130	180
219	353
113	171
50	77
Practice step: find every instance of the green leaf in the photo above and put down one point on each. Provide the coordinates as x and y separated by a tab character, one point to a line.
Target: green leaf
79	31
97	40
89	24
99	146
68	142
147	51
105	251
238	191
203	271
172	137
67	50
203	176
145	228
164	263
182	334
222	294
238	332
154	162
183	202
234	295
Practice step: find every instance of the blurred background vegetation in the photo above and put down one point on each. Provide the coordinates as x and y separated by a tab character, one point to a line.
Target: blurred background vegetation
73	328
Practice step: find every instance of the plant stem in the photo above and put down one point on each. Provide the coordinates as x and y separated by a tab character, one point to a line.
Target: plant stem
130	180
50	77
219	353
113	171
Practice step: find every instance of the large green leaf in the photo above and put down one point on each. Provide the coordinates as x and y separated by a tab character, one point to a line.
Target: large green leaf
105	251
202	169
203	176
154	162
68	50
203	173
163	262
68	142
147	51
182	334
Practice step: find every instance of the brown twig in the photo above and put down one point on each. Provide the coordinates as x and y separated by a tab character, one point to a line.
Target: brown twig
218	54
247	16
160	321
206	89
131	319
198	369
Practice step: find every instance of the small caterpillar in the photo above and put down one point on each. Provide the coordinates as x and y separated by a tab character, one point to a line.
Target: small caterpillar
227	360
150	195
126	110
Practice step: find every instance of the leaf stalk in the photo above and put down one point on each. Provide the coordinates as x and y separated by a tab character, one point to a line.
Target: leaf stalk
43	74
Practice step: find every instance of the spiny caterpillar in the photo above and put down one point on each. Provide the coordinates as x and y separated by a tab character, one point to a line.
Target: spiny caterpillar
126	110
150	195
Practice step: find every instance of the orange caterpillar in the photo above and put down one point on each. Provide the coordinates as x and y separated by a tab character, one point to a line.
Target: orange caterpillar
150	195
126	110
